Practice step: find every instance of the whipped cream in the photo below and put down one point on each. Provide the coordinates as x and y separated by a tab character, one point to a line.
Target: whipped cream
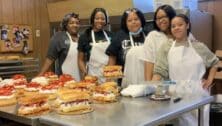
30	108
69	82
110	95
20	86
41	80
31	89
48	91
7	97
74	104
7	82
20	80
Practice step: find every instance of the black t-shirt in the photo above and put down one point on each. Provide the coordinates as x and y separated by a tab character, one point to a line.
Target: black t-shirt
85	40
121	44
58	49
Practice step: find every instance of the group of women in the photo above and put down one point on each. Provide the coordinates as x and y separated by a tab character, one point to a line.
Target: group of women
168	52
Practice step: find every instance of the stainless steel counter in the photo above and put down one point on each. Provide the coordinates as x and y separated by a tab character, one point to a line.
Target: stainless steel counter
129	112
9	112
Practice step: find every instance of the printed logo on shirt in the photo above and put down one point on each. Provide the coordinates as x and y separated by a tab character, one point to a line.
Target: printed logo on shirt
138	43
67	42
126	45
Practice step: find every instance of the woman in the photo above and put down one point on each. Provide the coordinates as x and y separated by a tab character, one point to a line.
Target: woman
161	34
183	60
63	48
126	47
93	43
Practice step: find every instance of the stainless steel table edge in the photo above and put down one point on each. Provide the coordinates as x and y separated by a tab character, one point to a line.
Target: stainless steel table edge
161	119
33	121
174	115
55	122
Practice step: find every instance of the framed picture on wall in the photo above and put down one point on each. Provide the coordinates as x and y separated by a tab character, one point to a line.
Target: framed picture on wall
16	38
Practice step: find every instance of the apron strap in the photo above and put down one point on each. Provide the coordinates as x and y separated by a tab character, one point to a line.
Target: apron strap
190	44
131	39
173	45
93	36
69	36
107	38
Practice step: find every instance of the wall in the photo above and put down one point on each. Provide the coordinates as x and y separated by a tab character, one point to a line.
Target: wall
30	12
57	10
35	13
214	7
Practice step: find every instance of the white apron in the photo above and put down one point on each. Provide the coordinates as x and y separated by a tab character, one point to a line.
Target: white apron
70	64
134	66
98	58
186	64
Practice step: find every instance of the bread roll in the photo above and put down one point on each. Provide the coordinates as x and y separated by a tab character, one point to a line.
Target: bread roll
8	101
112	71
111	83
105	93
30	105
65	90
74	101
74	96
92	79
34	110
32	99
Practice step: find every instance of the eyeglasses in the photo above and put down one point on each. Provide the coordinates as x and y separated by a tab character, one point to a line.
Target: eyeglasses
131	10
160	18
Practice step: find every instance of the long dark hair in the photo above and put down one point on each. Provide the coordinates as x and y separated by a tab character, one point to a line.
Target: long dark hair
170	12
92	17
126	14
93	14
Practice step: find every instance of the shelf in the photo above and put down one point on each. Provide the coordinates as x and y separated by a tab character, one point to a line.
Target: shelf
18	61
29	67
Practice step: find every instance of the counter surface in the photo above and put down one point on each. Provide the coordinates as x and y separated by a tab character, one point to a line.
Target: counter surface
129	112
10	112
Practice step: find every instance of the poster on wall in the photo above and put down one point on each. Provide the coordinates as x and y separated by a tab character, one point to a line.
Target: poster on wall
16	38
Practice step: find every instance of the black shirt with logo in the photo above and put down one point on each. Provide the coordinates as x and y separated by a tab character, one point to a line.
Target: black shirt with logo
85	40
121	44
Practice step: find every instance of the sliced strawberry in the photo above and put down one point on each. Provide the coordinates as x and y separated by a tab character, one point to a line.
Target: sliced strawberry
50	86
6	90
18	76
33	85
65	78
